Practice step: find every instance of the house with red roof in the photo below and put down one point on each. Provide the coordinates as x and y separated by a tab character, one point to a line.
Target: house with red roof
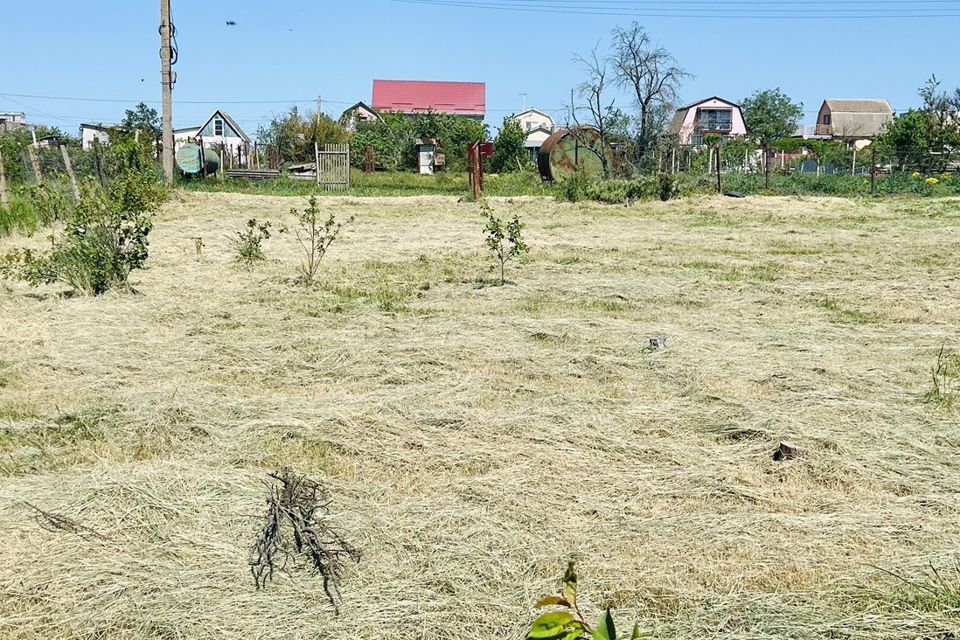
411	97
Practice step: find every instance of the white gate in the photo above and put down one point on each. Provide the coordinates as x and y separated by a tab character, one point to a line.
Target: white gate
333	166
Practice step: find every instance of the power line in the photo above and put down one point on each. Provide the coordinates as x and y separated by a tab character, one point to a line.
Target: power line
137	100
556	7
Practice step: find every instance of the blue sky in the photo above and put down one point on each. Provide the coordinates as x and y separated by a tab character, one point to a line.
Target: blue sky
281	51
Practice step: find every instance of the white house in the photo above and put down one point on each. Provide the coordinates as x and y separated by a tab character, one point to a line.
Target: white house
359	112
90	133
219	131
11	120
538	126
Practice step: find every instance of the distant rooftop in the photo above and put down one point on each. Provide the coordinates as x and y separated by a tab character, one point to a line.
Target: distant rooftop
419	96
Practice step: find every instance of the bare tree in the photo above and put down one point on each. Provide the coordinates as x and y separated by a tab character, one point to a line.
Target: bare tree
590	93
650	73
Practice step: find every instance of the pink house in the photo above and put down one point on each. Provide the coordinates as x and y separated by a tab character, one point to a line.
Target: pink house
711	116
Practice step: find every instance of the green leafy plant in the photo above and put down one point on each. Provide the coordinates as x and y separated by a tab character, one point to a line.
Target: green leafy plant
315	236
248	242
103	240
49	202
505	241
946	379
567	621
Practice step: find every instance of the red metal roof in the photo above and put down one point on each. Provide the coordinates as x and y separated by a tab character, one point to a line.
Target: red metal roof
416	96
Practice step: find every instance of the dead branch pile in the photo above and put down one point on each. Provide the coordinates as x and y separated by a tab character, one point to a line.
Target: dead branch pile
50	521
295	533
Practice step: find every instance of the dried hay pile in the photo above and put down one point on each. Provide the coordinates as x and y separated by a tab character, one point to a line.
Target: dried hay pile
474	438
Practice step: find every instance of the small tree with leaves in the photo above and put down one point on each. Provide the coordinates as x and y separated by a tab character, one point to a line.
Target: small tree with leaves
248	243
770	116
567	621
315	236
511	155
505	240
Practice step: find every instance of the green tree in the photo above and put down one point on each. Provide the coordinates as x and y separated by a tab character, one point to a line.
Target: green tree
770	116
924	139
142	118
509	152
905	143
293	134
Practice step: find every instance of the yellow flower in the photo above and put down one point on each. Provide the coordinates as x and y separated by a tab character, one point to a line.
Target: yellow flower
931	181
916	174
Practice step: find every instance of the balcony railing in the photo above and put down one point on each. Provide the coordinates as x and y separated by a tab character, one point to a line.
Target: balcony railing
824	130
714	127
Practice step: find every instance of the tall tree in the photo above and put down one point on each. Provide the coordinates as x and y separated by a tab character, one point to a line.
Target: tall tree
509	152
770	115
589	99
144	118
651	75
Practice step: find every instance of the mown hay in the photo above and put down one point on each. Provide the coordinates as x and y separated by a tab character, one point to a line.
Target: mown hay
476	438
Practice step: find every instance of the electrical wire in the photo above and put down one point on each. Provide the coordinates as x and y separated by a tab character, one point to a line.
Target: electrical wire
712	13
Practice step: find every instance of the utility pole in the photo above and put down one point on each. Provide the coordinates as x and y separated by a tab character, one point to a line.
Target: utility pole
166	80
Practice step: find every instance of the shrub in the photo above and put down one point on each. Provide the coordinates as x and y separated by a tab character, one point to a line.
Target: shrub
49	203
104	239
315	237
248	242
946	379
579	187
567	622
505	241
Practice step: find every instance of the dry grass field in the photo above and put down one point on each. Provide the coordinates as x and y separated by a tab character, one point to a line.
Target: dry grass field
475	437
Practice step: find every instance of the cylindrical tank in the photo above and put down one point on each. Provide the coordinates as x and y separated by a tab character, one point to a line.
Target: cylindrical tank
571	151
190	162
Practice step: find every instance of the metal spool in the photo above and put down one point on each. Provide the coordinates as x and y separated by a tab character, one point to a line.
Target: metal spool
568	152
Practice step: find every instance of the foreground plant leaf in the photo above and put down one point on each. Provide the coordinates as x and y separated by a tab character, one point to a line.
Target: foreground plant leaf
605	629
552	625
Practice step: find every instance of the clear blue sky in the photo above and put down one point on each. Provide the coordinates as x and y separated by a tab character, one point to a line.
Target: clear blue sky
281	50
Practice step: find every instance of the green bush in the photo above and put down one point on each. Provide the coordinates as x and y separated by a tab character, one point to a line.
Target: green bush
104	239
504	240
248	243
639	188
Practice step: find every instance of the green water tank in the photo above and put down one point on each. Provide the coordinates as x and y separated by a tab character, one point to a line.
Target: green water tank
191	162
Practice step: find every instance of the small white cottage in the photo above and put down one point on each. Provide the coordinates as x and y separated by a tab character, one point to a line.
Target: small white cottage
220	130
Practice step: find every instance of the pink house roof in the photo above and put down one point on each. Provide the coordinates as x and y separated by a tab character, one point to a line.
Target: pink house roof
416	96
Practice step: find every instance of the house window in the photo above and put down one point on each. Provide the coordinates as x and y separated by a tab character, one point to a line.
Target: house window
715	119
218	127
529	125
826	119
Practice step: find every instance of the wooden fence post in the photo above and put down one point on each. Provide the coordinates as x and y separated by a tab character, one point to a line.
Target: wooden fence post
873	170
96	161
368	160
3	183
719	186
69	167
316	156
35	163
476	170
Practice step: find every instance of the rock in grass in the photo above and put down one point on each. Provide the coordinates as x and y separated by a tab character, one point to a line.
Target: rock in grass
788	451
658	343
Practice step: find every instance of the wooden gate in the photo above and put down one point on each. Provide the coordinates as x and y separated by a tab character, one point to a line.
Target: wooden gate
333	166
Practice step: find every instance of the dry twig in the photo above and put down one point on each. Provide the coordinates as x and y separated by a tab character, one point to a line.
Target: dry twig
293	530
49	521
